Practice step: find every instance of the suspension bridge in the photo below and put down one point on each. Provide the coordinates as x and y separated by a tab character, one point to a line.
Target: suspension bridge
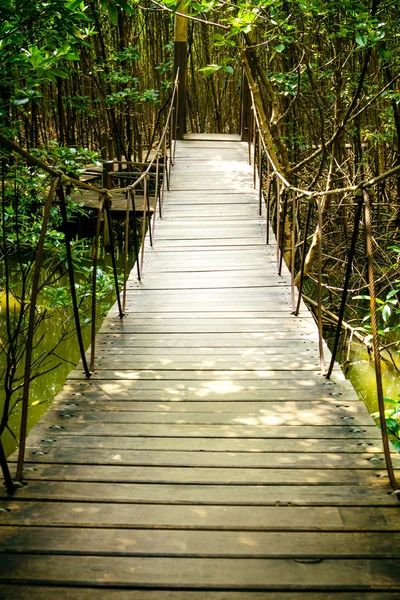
206	457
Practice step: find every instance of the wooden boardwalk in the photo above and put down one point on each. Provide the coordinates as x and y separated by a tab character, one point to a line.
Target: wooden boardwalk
206	459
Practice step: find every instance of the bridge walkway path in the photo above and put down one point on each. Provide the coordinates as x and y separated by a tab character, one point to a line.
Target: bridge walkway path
206	458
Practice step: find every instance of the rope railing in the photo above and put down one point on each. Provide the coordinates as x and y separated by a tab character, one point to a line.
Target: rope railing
164	153
314	198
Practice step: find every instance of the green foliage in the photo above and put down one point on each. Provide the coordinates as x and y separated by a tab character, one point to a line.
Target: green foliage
392	419
388	306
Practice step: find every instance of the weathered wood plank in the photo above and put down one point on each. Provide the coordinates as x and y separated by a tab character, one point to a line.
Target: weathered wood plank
244	476
189	543
45	440
269	574
261	418
250	495
281	519
291	411
302	460
213	431
301	379
22	592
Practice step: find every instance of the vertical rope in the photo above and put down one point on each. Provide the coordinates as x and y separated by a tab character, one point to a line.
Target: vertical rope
278	220
319	309
293	255
260	180
126	247
267	214
375	339
112	252
147	200
350	257
31	328
303	258
282	234
135	235
94	281
144	222
156	195
255	161
71	276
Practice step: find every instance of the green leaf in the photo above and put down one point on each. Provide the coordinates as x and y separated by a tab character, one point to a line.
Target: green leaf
125	6
392	426
20	101
386	313
280	48
361	39
74	4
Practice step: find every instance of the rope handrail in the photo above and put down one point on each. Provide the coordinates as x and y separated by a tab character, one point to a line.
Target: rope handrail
66	179
364	184
363	202
59	180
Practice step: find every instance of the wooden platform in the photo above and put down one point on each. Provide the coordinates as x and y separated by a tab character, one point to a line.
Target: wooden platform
90	201
206	459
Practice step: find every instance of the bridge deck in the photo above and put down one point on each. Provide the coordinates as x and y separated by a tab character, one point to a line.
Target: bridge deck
206	459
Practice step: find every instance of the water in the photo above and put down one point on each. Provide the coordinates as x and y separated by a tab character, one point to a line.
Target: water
361	372
44	388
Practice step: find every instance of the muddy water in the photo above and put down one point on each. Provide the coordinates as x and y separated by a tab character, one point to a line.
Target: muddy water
44	388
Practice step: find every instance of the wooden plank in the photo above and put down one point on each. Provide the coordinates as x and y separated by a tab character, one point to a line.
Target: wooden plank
44	441
226	138
225	391
218	544
22	592
300	378
261	418
201	517
291	411
198	573
249	495
214	431
107	359
244	460
232	476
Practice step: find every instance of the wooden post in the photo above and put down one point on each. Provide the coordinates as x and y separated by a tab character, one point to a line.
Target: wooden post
180	61
108	167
